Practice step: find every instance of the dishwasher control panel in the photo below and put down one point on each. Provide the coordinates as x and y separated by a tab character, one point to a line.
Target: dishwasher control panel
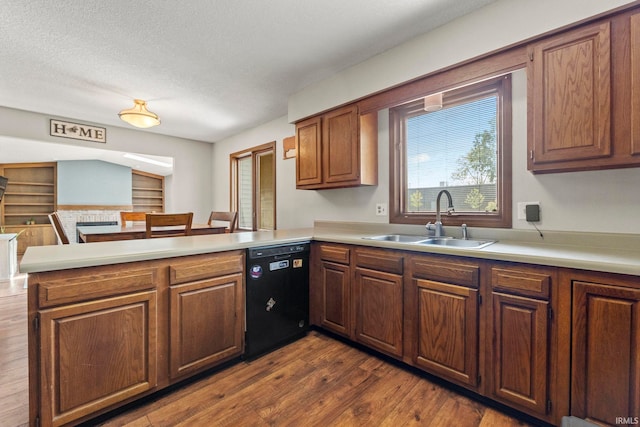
274	251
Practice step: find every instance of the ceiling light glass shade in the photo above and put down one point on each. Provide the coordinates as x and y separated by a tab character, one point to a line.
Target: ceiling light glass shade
139	116
433	102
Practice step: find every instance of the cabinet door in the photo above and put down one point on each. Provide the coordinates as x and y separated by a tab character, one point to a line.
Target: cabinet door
605	372
336	298
447	324
379	310
635	83
340	146
96	354
520	351
206	323
570	96
309	152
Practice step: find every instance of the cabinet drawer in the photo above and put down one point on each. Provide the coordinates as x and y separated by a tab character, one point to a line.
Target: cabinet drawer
93	286
390	262
529	282
210	266
339	254
444	271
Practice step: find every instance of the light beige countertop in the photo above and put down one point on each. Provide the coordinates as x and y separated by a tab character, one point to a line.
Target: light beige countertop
62	257
612	253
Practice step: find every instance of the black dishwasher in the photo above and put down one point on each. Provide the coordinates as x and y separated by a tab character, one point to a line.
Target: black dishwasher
277	296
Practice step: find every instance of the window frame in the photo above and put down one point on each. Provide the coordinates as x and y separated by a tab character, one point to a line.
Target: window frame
397	157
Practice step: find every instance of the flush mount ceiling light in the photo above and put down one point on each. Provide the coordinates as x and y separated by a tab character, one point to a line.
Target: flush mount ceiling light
433	102
139	116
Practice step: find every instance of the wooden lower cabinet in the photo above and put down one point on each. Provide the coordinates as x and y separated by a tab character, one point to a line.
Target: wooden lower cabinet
206	324
520	351
95	354
605	373
336	298
448	331
520	359
488	326
378	290
104	336
446	318
330	288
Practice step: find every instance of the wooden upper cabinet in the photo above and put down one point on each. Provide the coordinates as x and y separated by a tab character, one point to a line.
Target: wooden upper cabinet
340	143
309	152
635	83
337	149
570	96
584	97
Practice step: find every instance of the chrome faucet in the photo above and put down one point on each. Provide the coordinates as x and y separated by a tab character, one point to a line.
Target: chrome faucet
437	227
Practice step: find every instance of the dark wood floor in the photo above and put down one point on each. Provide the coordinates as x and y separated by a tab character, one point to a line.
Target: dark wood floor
316	381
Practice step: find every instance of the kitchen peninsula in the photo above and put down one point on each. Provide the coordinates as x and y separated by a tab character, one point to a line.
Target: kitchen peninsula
139	294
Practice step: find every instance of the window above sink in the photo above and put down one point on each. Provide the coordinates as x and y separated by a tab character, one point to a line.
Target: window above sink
463	147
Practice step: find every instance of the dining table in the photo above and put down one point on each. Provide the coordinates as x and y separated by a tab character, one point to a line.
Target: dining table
107	233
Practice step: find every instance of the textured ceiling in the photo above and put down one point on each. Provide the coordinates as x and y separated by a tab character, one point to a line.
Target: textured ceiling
208	68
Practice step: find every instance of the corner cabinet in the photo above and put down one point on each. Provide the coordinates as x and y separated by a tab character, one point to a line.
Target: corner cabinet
337	149
583	89
330	288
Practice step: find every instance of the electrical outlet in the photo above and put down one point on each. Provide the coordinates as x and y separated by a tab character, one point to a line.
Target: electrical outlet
522	209
381	209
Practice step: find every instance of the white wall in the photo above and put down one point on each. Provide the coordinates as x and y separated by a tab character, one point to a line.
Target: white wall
187	189
492	27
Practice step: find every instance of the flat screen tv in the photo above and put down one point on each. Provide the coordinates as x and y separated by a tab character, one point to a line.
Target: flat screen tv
3	185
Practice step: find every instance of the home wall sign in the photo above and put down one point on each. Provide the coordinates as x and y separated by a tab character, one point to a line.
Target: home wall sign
77	131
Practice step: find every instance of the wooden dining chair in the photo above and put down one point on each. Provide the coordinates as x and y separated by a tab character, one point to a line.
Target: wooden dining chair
132	216
230	217
168	225
57	227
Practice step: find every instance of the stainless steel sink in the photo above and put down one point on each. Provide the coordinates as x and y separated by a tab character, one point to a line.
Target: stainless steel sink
400	238
426	240
459	243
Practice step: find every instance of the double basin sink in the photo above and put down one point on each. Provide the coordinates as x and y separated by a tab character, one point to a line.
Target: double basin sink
435	241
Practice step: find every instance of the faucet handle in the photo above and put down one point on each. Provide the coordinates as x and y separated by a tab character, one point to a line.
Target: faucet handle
431	228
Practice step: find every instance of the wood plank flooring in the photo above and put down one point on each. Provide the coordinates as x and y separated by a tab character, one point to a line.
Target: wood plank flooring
14	393
316	381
